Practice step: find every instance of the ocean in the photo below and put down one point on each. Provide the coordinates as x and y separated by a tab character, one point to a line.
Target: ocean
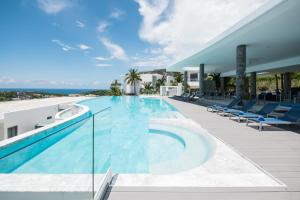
48	91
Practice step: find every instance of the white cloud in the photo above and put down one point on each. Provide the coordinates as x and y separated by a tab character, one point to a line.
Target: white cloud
103	65
102	26
152	61
84	47
100	58
96	83
117	13
63	46
115	50
181	27
80	24
53	6
7	80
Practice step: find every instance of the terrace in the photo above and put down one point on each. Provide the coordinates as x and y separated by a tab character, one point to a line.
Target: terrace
276	151
266	42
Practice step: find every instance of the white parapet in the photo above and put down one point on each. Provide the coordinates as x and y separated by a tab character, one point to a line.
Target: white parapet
171	90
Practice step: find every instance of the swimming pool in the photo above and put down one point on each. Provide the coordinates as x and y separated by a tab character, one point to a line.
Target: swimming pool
125	140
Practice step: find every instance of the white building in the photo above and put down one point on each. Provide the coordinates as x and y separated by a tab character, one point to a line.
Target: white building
168	89
18	117
148	76
193	77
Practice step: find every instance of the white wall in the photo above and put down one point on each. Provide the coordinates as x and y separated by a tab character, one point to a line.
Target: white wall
193	83
27	119
146	78
169	79
171	90
1	131
149	78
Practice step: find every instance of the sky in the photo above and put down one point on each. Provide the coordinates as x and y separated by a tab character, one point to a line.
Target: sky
89	43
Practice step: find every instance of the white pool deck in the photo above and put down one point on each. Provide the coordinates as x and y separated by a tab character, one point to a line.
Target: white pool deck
224	168
276	151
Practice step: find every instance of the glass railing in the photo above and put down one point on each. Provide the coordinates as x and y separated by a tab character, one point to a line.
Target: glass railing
68	161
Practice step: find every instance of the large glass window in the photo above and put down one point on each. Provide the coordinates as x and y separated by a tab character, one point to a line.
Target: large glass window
12	131
194	77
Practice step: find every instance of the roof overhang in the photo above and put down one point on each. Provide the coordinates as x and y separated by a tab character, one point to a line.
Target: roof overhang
272	36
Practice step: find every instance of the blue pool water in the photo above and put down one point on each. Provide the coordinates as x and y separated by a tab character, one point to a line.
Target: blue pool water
123	141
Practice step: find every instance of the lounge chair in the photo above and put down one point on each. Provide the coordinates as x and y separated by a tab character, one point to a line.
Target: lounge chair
290	117
245	108
189	96
264	111
197	96
217	108
183	95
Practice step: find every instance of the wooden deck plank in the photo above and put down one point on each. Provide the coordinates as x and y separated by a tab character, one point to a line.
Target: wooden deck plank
276	150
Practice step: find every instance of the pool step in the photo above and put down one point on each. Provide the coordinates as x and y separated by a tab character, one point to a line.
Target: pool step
170	114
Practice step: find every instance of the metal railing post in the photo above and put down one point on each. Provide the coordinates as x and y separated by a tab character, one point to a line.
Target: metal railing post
93	156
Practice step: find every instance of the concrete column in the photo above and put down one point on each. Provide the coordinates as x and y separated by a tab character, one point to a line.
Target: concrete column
185	81
281	82
222	85
201	79
253	85
287	85
240	71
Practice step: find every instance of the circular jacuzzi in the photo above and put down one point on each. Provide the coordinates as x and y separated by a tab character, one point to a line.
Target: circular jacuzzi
172	149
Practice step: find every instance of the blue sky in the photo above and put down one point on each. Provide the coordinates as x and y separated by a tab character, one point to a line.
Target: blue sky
87	44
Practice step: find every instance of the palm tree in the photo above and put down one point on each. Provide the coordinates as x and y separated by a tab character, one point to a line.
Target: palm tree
115	83
132	77
178	77
115	88
148	87
215	77
160	82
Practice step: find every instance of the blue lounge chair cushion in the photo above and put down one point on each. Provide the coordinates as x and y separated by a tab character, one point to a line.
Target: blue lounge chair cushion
230	105
269	120
266	109
227	110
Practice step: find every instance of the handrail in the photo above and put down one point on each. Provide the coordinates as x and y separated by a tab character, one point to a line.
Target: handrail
104	109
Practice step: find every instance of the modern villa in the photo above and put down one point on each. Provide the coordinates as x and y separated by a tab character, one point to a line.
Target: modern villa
147	77
187	140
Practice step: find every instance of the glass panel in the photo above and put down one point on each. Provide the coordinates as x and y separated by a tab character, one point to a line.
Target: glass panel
58	162
102	144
